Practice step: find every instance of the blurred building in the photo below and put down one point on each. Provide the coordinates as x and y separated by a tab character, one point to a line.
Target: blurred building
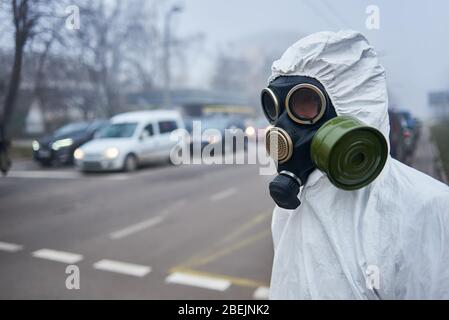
192	102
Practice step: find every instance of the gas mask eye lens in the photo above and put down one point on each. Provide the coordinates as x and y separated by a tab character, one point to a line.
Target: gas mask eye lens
305	104
270	105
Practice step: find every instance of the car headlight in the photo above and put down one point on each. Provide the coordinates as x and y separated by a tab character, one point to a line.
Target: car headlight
250	131
36	145
213	139
63	143
78	154
111	153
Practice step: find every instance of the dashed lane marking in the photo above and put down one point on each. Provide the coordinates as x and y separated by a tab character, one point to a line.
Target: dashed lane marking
261	293
59	256
200	281
10	247
182	276
151	222
223	194
136	228
131	269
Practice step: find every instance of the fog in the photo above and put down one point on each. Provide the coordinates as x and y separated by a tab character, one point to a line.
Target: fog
411	39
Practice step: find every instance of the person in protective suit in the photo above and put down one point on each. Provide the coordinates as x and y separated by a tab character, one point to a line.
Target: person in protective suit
350	221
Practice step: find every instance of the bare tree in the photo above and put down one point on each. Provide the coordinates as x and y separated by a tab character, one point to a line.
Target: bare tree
29	18
111	42
24	20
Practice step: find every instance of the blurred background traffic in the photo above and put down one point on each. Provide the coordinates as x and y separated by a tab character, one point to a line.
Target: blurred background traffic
89	94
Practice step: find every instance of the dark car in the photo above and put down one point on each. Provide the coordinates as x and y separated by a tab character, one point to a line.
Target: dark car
398	136
411	130
59	146
213	131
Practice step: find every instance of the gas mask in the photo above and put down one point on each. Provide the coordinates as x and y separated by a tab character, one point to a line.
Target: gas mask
306	134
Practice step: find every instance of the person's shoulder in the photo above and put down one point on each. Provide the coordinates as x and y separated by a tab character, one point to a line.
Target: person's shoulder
437	205
418	184
414	194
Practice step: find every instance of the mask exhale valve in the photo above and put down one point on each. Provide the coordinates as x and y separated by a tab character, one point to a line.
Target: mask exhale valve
284	190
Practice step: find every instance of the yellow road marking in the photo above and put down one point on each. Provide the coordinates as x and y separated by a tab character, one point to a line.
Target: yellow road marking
243	282
238	245
200	259
246	226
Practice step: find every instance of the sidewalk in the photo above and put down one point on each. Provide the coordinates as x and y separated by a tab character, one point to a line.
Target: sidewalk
426	157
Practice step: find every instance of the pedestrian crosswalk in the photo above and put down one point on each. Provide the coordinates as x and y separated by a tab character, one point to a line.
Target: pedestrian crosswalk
59	256
122	267
202	281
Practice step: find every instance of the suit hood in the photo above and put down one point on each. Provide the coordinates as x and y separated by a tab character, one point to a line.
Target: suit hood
348	68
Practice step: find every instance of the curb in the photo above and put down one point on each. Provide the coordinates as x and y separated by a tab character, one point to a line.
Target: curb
439	164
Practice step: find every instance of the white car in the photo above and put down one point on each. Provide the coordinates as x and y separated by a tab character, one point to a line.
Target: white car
131	139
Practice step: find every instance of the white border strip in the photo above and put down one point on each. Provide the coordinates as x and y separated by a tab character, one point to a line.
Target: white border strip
44	174
198	281
59	256
10	247
122	267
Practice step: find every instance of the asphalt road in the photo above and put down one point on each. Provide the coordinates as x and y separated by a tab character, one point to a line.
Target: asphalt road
164	232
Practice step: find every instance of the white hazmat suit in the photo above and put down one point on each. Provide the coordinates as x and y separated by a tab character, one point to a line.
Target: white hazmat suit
388	240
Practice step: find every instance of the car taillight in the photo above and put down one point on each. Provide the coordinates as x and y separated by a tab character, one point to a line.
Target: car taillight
407	133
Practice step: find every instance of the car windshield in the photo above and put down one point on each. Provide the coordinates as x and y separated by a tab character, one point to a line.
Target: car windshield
96	125
118	130
71	129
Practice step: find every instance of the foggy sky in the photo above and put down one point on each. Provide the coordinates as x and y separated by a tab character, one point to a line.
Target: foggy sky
412	40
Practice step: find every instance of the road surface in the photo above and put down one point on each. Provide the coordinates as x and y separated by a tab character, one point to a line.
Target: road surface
164	232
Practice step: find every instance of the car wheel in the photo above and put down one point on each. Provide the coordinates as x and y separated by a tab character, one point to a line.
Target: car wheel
130	164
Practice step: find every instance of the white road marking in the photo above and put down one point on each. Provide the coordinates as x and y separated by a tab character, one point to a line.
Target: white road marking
174	206
10	247
262	293
198	281
118	177
223	194
151	222
41	174
59	256
136	228
44	174
122	267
